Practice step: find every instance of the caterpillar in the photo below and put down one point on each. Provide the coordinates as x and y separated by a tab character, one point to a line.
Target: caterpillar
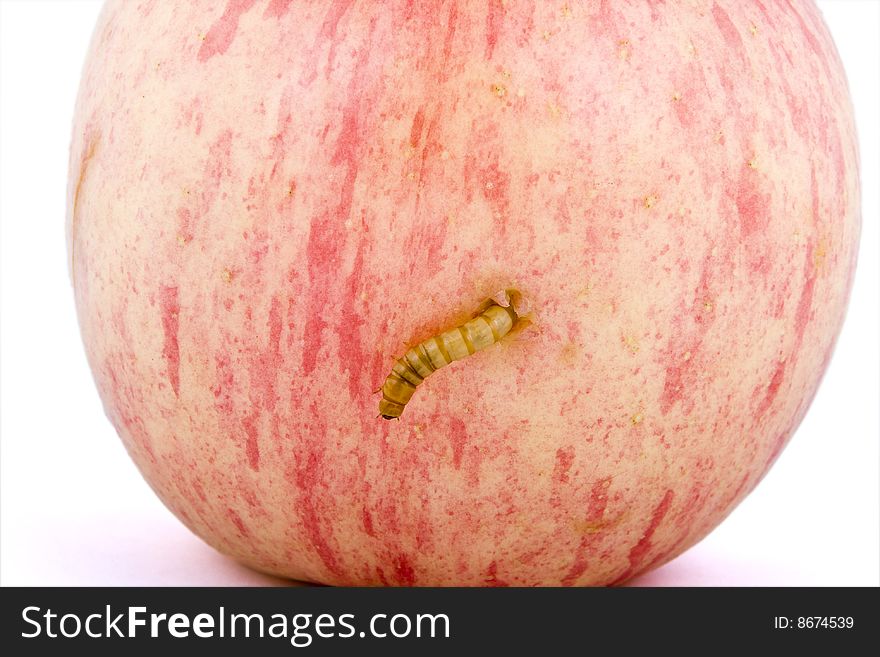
427	357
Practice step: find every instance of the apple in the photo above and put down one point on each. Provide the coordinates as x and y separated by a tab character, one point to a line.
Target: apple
269	202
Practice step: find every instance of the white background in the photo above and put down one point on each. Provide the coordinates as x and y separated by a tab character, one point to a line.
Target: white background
74	510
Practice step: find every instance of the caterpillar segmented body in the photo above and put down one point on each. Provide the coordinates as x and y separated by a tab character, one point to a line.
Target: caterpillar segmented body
424	359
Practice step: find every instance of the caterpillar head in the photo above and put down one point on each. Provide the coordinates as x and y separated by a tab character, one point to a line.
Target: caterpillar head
390	410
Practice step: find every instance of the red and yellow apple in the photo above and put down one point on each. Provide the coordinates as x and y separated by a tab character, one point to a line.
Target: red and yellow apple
269	201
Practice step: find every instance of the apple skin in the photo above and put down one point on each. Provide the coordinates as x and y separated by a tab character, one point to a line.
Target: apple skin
270	201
